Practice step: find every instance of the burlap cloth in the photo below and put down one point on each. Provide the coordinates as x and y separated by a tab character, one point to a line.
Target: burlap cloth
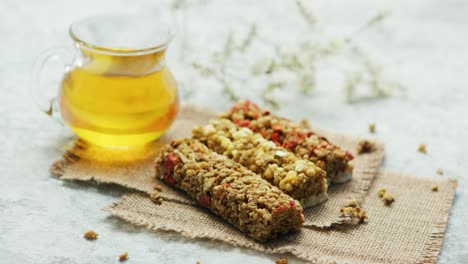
409	231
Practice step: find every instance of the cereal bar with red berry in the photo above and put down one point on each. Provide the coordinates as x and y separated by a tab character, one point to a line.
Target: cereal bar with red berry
299	178
228	189
299	140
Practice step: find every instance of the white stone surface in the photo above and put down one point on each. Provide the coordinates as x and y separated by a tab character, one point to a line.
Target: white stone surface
424	44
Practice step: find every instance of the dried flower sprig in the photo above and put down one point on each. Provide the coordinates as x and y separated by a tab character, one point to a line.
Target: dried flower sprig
249	38
307	14
369	79
371	22
267	93
300	65
221	58
372	128
183	4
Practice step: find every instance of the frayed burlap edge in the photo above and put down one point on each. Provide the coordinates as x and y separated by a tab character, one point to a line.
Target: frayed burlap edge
434	245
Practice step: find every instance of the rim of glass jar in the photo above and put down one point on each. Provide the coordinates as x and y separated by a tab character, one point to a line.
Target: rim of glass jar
118	51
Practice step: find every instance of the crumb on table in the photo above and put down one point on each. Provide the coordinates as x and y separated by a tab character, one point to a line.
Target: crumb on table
155	197
354	213
386	196
123	257
91	235
381	192
281	261
434	188
363	217
440	171
372	128
422	148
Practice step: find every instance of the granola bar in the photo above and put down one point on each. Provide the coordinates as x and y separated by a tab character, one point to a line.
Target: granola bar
301	141
299	178
228	189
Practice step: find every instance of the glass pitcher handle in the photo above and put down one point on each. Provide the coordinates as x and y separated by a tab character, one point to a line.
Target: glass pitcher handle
45	95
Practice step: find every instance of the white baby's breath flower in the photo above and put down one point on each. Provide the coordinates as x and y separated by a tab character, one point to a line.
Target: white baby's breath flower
261	66
296	64
336	43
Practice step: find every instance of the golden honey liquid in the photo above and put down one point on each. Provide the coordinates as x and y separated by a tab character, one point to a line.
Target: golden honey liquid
119	101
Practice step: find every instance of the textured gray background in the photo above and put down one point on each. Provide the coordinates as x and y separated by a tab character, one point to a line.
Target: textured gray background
424	45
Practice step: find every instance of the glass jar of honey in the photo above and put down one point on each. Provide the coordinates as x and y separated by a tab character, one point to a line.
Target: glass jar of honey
118	90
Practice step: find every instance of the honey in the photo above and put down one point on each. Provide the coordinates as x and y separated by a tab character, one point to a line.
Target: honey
119	101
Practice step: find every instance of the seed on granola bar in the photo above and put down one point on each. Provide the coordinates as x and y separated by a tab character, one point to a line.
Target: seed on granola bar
123	257
281	261
228	189
440	171
365	146
434	188
91	235
372	128
422	148
295	138
299	178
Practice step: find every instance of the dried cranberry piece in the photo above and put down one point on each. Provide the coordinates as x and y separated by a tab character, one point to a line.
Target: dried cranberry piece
243	123
246	106
169	179
349	155
275	137
279	210
170	161
302	136
290	144
311	152
276	127
204	200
